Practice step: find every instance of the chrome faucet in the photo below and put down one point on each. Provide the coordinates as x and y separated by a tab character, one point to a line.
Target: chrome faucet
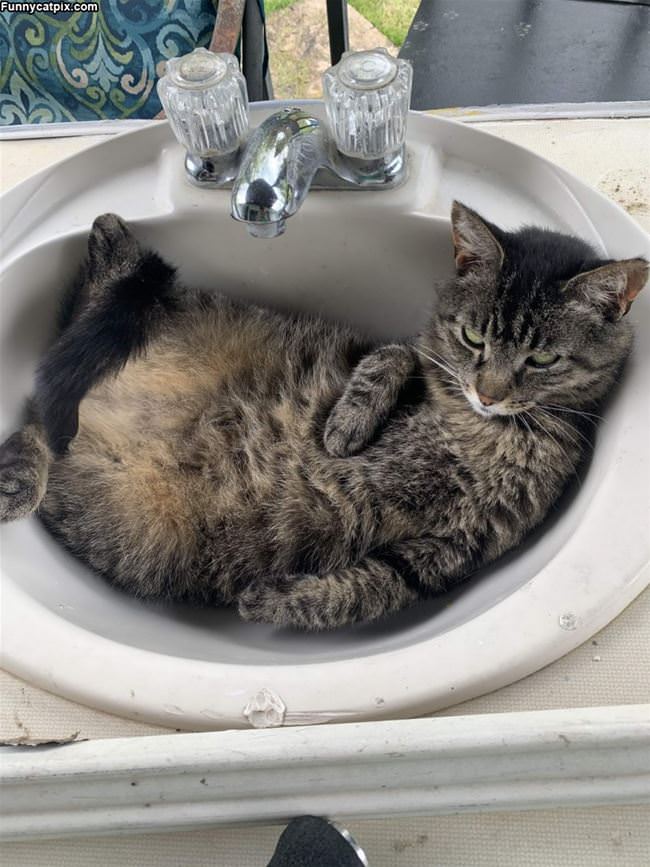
361	147
276	171
290	153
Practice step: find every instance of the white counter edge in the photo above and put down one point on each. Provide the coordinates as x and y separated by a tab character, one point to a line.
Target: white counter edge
468	114
512	761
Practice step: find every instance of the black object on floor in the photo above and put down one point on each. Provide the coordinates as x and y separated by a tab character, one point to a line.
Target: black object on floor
506	52
312	842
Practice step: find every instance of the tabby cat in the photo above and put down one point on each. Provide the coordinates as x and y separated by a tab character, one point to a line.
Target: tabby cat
191	447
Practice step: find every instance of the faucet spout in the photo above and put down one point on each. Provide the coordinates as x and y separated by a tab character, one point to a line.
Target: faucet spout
279	163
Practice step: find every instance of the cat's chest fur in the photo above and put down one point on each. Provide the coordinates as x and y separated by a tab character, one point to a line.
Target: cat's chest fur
444	467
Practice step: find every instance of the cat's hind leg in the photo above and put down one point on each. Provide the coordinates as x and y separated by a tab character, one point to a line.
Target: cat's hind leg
356	594
112	251
119	302
24	463
119	299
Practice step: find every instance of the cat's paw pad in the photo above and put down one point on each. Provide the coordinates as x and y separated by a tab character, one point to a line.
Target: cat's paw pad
344	437
22	481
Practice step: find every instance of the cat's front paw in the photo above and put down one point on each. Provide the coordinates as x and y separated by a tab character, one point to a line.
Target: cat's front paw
23	478
345	435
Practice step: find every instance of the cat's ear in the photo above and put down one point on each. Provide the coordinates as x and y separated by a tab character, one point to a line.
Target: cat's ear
611	287
474	244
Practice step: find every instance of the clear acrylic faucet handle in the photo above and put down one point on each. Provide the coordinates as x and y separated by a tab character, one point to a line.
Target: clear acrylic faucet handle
367	95
206	102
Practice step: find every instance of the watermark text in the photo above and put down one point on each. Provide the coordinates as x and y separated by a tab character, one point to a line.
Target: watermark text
52	8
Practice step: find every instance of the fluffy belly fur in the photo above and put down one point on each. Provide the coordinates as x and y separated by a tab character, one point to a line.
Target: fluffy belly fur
201	464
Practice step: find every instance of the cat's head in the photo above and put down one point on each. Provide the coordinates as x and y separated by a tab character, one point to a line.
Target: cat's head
533	317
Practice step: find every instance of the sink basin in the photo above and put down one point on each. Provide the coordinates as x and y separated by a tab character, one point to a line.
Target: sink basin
370	258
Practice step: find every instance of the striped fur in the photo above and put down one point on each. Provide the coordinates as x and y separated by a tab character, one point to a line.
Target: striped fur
190	447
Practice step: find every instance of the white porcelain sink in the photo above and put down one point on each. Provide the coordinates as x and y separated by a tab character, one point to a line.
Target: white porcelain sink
370	258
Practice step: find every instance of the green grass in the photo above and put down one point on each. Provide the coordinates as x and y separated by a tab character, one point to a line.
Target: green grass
391	17
276	5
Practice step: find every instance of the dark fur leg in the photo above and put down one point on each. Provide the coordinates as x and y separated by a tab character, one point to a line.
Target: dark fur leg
24	463
353	595
116	307
368	399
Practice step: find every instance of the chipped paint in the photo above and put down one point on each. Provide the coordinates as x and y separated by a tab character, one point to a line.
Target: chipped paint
26	740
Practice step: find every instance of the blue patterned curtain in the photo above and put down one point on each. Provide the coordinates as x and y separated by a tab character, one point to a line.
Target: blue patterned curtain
94	65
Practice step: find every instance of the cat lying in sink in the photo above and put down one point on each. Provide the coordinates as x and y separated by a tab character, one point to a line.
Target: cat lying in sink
191	447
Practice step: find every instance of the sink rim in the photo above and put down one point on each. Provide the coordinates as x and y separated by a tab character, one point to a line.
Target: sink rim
395	690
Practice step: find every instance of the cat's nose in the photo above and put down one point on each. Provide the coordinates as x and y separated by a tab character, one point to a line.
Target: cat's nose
486	400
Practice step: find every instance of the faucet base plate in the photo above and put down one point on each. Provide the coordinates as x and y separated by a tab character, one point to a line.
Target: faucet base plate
344	173
212	173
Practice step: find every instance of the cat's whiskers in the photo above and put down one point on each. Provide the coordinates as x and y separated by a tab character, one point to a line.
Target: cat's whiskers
456	390
439	361
554	440
590	416
522	415
567	428
451	384
454	383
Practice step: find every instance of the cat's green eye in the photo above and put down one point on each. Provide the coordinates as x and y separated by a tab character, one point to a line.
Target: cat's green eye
472	338
542	359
